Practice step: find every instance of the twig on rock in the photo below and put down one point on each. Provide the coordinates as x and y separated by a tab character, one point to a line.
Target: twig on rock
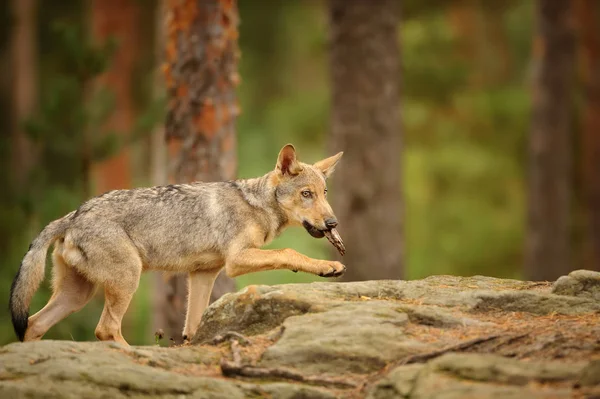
235	351
423	357
507	340
228	336
231	369
275	335
236	368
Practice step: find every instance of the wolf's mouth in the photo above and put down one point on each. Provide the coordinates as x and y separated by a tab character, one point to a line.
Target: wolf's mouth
312	230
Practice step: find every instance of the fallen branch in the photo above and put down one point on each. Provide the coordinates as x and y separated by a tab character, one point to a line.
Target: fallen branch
230	369
236	368
503	342
423	357
235	351
230	335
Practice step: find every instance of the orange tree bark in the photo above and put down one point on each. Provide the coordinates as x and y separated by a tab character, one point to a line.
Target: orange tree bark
366	195
547	253
201	76
117	18
588	18
24	84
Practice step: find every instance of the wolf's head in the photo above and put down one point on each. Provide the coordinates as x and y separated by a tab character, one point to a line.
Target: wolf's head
301	191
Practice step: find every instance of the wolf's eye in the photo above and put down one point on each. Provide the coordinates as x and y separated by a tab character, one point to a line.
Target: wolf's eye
306	194
326	192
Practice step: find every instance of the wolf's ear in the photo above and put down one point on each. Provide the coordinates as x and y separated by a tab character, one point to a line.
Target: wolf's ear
327	165
287	162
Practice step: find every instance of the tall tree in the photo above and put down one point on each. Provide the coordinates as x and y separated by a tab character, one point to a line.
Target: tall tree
118	19
548	251
201	76
24	79
365	71
158	153
588	18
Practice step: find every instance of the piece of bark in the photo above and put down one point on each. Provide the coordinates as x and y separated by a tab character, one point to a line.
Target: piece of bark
336	240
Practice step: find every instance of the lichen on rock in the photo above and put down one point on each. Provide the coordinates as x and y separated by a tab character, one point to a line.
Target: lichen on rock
440	337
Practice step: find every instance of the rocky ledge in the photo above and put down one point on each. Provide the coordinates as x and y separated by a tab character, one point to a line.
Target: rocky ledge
441	337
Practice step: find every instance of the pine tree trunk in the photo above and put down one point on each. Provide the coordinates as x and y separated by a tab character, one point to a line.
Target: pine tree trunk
548	249
201	77
366	193
159	168
158	147
588	18
24	85
117	18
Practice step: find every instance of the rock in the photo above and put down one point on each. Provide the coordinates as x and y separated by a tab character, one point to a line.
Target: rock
399	383
437	316
288	391
104	370
441	337
252	311
478	376
580	283
357	338
533	302
492	368
590	376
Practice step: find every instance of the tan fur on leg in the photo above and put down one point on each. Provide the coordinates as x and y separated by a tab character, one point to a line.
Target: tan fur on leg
115	306
257	260
200	285
118	292
72	291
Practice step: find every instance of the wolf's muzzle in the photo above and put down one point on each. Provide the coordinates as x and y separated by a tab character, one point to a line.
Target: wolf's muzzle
331	223
312	230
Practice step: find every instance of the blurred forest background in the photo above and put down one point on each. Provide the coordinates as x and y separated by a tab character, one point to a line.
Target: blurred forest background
492	143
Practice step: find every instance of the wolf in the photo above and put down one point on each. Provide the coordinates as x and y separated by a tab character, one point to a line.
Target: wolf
198	228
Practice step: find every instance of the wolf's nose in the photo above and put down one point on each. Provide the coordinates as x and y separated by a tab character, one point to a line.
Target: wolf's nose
331	223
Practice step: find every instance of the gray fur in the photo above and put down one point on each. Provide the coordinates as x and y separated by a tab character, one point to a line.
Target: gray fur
167	223
196	228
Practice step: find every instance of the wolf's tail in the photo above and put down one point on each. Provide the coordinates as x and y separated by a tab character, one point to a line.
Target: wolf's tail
31	274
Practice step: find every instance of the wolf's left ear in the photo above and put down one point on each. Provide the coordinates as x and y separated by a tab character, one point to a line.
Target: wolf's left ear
327	165
287	162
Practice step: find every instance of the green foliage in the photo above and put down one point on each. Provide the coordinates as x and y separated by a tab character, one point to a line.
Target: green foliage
68	132
68	126
464	121
464	141
465	147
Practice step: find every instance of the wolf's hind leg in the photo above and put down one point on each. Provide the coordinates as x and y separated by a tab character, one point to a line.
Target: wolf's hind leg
115	306
118	293
200	285
71	292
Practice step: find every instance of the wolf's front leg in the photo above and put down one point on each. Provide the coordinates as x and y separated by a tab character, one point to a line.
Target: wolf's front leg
200	285
256	260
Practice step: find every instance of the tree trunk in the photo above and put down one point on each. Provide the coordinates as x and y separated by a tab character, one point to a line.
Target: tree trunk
366	194
158	148
159	169
118	18
24	85
201	76
548	250
588	18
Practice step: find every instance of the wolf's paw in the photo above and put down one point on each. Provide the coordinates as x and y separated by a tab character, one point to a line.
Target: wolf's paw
336	269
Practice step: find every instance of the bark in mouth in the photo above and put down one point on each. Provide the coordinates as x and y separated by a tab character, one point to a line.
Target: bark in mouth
336	240
332	235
